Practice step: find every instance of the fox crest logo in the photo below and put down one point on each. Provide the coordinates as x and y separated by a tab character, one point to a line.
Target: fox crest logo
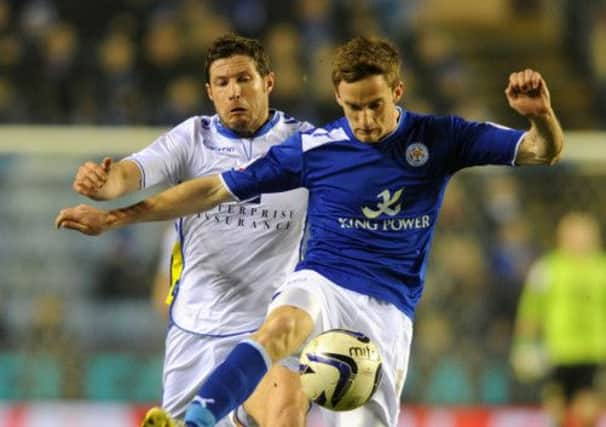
417	154
387	205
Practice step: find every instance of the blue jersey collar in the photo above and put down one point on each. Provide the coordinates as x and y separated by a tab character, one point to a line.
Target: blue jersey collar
227	132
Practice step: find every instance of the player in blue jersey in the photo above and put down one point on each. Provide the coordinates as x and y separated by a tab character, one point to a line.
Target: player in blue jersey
376	178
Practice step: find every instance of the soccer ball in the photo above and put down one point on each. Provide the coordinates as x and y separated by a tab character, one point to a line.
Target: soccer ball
340	369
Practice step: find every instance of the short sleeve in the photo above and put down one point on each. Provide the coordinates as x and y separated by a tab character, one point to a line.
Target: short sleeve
281	169
163	161
476	143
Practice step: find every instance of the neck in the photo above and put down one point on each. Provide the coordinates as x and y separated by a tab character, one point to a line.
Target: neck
253	128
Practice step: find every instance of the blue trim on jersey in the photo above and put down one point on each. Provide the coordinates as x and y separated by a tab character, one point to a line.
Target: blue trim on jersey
227	132
140	165
198	334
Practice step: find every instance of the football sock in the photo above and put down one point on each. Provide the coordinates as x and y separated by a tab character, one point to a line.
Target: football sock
230	384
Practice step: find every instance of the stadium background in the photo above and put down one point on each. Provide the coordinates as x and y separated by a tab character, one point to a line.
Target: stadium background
78	80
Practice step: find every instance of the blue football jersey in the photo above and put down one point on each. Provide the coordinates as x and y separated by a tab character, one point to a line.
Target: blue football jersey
373	207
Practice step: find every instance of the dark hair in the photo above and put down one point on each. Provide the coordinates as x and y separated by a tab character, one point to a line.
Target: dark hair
232	44
362	57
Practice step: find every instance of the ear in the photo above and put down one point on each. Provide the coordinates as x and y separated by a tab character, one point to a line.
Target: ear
398	92
270	80
209	92
338	97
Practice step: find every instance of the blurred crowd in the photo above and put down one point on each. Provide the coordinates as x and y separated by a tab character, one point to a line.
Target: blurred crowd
139	62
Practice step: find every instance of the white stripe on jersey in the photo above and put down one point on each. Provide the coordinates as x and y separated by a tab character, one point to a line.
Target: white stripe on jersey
237	254
320	137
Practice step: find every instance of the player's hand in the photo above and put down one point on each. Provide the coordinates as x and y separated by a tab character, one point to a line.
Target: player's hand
527	93
83	218
91	177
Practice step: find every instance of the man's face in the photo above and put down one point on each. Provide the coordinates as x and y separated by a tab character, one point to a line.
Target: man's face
239	93
369	106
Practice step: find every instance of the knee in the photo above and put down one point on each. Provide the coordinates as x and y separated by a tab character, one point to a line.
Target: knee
284	330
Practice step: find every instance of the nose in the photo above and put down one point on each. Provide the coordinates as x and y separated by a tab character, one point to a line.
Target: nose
366	117
234	90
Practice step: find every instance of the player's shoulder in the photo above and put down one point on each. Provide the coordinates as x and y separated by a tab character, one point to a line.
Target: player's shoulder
191	128
452	122
284	122
330	133
433	121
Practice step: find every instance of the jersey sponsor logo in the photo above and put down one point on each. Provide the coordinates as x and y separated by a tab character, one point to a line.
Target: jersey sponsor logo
417	154
391	206
221	149
387	205
389	224
250	216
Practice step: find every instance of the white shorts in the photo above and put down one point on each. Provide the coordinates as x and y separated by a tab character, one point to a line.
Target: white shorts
189	358
332	306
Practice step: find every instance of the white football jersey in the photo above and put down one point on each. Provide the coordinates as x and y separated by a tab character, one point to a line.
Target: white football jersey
229	260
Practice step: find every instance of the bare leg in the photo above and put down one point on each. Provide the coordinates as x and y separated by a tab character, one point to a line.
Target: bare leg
279	401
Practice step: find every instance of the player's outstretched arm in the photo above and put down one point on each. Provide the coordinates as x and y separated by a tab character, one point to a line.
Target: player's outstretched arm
196	195
527	93
107	180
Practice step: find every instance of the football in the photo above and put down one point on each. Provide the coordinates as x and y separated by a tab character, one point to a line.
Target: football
340	369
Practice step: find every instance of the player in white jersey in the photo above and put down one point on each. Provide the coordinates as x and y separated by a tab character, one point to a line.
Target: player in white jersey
376	178
229	261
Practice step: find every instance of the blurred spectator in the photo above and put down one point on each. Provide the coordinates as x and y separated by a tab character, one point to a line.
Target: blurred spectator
249	17
163	52
200	25
37	18
561	322
12	109
284	48
319	90
597	47
446	378
51	357
184	98
121	274
511	255
55	94
118	89
315	18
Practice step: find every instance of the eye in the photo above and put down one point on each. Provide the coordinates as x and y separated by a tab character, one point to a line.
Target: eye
355	107
375	105
244	78
220	82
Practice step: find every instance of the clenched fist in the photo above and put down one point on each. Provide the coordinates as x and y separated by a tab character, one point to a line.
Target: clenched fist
91	178
527	93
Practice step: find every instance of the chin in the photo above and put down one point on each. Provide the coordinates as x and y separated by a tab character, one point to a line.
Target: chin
367	138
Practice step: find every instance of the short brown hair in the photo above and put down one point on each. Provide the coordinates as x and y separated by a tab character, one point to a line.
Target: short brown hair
232	44
362	57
